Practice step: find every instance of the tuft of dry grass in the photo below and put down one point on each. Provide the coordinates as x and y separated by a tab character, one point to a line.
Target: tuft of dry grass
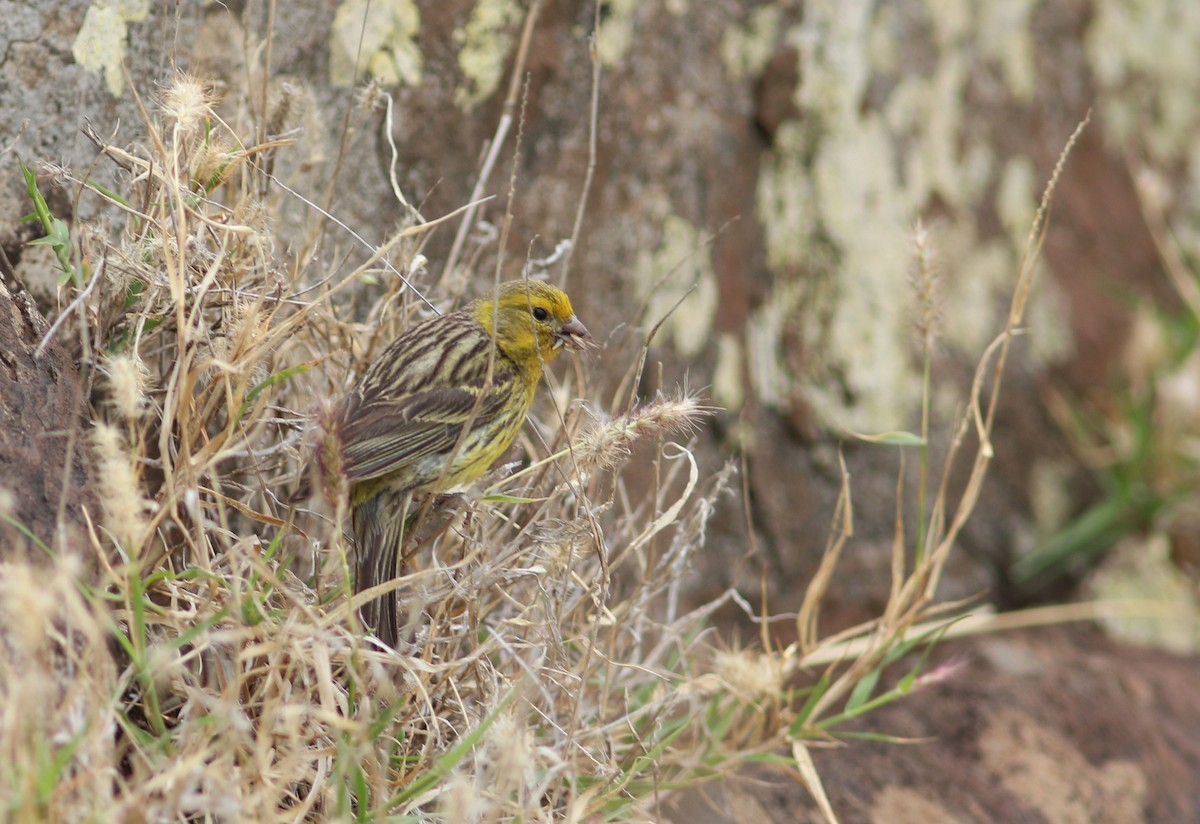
545	666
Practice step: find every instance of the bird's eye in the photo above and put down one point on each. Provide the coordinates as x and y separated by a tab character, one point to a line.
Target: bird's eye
540	313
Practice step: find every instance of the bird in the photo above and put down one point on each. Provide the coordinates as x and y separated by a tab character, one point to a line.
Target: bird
433	412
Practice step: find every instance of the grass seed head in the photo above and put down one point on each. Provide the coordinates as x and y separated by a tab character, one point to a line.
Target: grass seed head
28	609
8	502
459	800
188	102
754	677
511	754
124	508
127	378
925	285
609	444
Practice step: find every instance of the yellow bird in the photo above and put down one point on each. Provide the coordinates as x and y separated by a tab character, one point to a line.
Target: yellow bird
434	411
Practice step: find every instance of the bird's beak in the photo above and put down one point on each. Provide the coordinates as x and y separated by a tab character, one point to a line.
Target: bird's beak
573	334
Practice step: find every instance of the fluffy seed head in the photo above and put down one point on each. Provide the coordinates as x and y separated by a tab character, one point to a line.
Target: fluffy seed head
753	677
511	752
188	102
925	286
28	609
609	444
127	376
124	509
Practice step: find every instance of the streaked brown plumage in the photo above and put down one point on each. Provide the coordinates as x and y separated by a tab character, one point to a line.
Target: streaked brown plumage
438	406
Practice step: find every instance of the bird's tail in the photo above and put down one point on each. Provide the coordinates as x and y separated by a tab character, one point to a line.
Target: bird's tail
380	527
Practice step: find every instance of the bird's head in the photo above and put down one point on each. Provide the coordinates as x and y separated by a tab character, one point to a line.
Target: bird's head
532	321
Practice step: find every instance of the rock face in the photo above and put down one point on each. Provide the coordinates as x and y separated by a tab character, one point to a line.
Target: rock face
43	460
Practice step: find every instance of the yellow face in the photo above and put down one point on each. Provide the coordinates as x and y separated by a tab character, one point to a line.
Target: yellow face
533	321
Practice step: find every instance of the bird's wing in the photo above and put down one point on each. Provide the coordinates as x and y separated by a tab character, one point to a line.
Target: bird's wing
386	434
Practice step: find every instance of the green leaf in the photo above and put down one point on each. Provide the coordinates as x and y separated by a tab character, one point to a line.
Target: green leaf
40	209
891	438
879	737
28	533
133	292
796	728
361	792
105	192
195	631
863	689
269	381
1087	536
500	498
58	234
386	715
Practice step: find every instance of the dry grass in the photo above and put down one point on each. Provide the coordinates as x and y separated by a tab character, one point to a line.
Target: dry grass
215	669
545	667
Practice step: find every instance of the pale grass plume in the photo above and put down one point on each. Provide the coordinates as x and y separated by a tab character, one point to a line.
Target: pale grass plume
941	674
57	682
753	676
1147	350
560	544
127	378
27	609
609	444
926	287
187	102
239	353
509	756
211	162
123	506
164	664
459	800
